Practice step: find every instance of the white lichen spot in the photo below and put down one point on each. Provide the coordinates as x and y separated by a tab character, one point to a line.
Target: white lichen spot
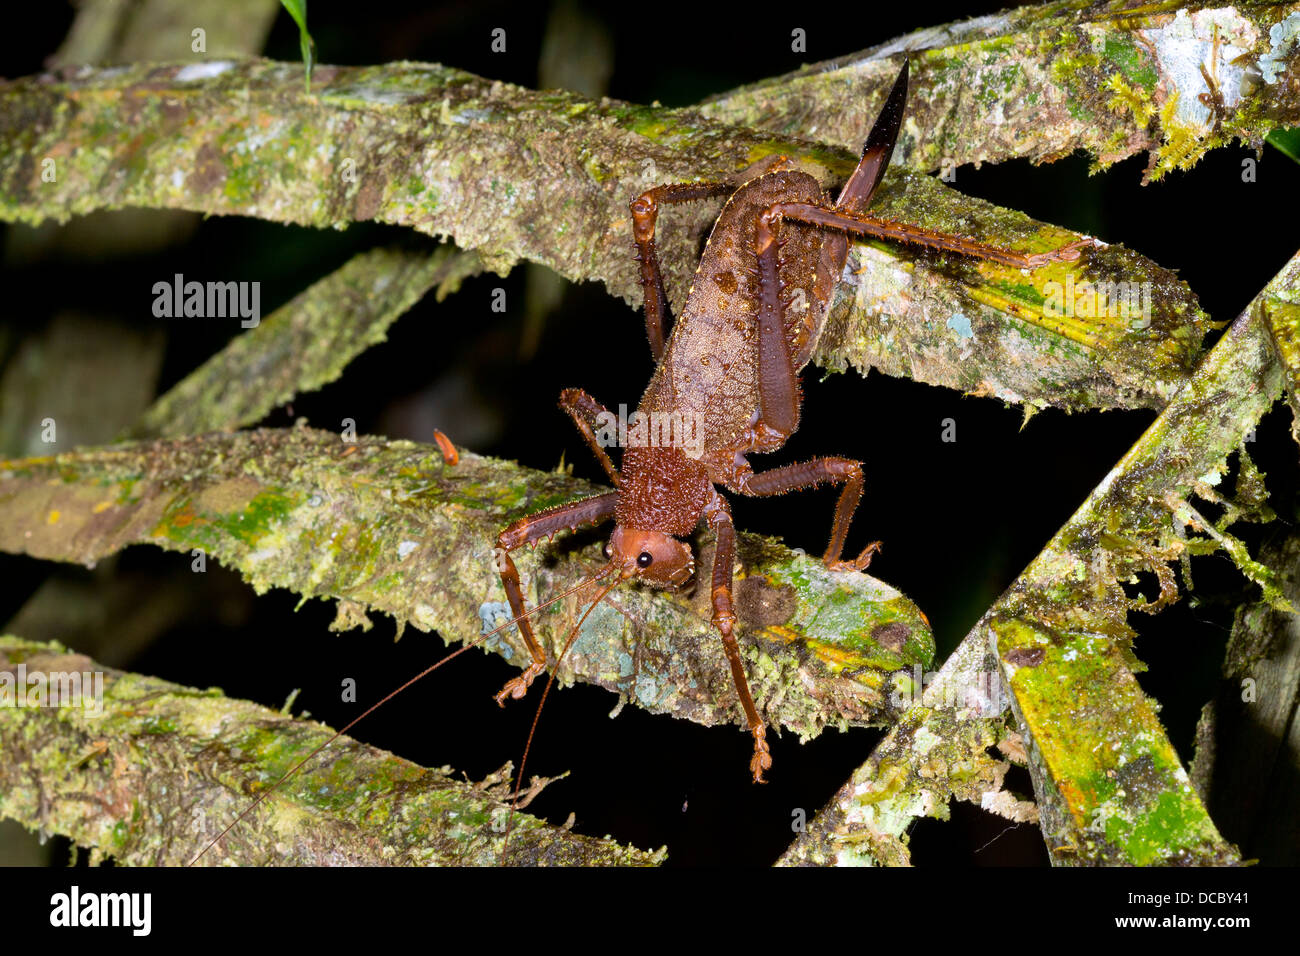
493	614
203	71
405	548
1186	44
371	94
961	325
647	690
884	287
924	740
471	115
1281	37
423	617
256	139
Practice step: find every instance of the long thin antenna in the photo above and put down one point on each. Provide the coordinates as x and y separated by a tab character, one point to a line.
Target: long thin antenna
387	697
550	681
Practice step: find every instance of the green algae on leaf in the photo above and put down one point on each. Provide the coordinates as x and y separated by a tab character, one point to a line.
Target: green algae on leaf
163	769
1113	78
391	527
1110	330
1283	320
1051	662
271	151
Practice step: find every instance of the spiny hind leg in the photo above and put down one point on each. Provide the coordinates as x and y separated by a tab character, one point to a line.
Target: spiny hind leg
778	387
810	474
531	530
865	226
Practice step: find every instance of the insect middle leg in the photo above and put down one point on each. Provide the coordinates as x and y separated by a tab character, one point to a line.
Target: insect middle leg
810	474
531	530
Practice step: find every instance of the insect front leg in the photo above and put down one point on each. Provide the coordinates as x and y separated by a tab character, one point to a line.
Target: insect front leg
645	210
585	412
531	530
810	474
718	515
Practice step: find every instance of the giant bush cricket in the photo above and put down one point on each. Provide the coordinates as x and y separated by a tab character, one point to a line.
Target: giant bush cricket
729	364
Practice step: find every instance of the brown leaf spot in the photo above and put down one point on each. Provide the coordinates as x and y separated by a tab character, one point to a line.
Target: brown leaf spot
892	636
1025	656
368	200
1013	748
209	170
760	604
227	496
726	281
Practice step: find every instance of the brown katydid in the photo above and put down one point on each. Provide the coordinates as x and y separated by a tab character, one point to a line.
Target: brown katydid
729	366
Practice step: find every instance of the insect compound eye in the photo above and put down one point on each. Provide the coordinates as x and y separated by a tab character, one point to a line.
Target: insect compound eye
644	559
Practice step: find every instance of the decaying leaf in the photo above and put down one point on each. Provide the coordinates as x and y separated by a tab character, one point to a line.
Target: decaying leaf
391	527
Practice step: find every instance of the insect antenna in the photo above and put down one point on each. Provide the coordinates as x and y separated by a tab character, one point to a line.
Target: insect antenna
589	579
550	680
